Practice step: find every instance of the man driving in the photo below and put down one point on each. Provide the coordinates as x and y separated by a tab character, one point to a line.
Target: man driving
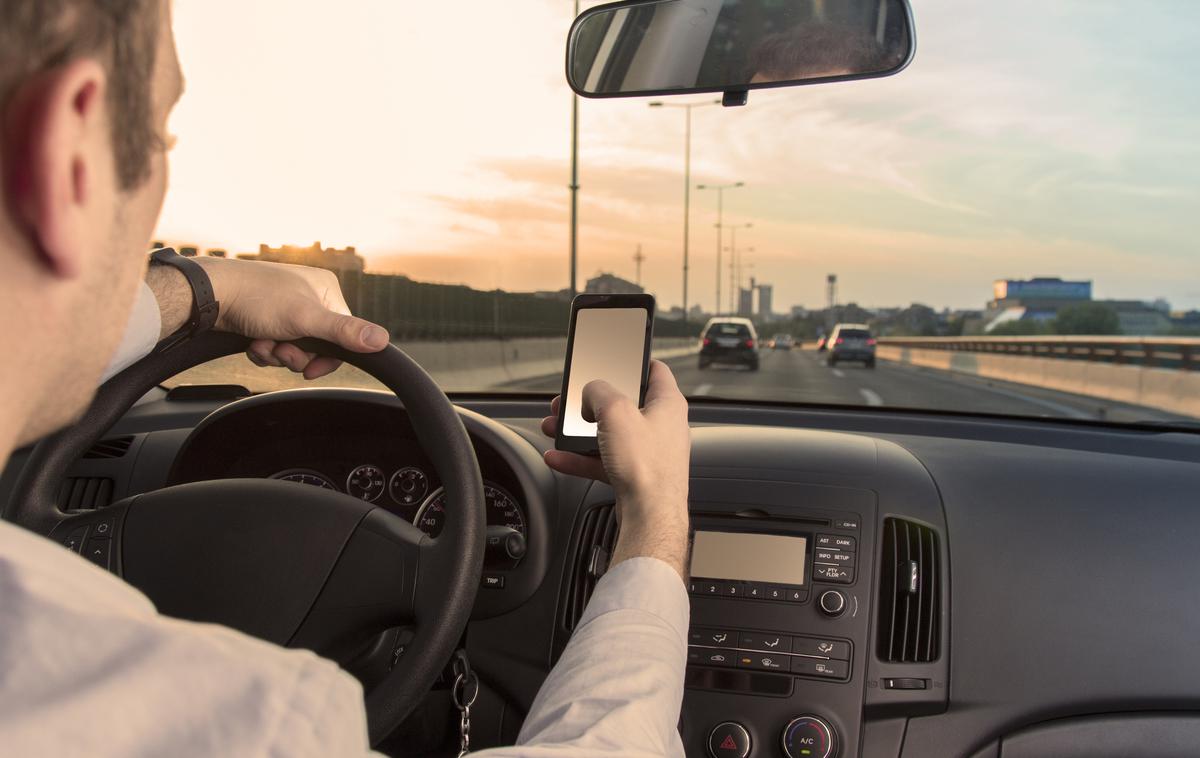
87	667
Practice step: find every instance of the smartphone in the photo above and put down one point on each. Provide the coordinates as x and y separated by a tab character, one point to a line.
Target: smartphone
609	339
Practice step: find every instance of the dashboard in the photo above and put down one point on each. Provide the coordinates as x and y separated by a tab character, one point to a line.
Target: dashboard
864	582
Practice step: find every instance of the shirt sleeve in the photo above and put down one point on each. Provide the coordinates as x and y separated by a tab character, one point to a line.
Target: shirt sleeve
141	333
618	687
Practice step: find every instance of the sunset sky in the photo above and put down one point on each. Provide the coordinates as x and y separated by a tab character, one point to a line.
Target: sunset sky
1027	138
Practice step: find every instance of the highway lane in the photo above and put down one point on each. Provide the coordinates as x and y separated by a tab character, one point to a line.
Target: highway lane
802	376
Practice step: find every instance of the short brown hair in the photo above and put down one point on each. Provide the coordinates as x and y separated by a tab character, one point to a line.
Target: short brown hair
36	35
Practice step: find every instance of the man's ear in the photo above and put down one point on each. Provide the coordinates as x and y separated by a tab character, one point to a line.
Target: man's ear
54	142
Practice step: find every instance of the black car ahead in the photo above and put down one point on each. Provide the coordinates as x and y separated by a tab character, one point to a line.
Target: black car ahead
729	341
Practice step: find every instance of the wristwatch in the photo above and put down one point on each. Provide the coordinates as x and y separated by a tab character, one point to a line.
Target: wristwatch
205	307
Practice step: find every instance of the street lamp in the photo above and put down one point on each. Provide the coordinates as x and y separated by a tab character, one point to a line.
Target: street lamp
720	188
735	276
687	182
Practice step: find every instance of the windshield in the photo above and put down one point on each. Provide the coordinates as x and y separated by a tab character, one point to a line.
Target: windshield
1009	222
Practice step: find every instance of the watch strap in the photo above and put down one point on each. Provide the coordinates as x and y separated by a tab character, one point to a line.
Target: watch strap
205	307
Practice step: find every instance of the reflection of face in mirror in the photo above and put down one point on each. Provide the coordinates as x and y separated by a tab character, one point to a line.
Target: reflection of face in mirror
816	51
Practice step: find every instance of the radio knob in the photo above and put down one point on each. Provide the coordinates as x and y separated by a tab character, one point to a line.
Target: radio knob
832	603
809	737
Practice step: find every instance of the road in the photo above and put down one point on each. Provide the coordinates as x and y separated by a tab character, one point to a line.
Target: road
801	376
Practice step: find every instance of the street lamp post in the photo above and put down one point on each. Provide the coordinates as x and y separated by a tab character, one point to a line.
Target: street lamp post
687	182
574	186
735	276
720	188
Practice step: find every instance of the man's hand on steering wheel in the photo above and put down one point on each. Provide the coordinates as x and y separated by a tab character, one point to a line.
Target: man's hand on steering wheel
272	303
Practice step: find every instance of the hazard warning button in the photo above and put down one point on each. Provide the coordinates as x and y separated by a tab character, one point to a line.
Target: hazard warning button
729	739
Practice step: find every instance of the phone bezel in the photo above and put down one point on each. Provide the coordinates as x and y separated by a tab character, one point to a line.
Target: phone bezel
588	445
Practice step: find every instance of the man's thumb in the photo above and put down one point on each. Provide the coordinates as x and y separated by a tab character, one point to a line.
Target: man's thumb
350	332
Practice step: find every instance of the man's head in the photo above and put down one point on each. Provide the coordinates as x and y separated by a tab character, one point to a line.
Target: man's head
86	87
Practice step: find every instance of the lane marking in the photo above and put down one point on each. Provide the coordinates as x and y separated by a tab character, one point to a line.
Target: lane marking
872	398
703	389
838	373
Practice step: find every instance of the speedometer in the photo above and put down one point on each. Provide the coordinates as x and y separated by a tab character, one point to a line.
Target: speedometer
502	510
304	476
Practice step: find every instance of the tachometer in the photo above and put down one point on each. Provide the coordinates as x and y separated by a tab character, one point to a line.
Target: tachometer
366	483
408	486
304	476
502	510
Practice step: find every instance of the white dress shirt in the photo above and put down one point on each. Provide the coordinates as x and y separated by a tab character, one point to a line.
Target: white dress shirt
89	668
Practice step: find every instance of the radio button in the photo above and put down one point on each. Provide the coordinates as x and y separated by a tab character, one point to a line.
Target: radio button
835	574
763	661
836	541
713	637
775	592
731	589
755	591
773	643
826	648
795	594
818	668
846	523
834	556
708	588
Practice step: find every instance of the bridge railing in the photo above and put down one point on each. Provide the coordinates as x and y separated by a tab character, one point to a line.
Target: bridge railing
1180	353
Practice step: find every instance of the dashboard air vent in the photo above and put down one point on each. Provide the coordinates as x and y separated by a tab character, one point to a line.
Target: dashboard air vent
113	447
909	593
597	538
80	493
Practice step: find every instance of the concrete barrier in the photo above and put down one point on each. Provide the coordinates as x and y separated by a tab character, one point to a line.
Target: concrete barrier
456	365
1162	389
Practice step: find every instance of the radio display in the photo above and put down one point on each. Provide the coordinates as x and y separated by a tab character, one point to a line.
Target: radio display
741	556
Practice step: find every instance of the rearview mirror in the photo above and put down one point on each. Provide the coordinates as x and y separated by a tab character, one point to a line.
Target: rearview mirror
666	47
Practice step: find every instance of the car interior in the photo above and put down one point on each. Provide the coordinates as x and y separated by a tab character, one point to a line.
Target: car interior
881	581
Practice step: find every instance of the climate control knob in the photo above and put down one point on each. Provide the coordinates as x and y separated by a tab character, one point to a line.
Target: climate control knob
809	737
832	603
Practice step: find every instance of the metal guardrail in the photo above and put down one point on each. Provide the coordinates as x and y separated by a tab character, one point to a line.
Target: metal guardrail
1179	353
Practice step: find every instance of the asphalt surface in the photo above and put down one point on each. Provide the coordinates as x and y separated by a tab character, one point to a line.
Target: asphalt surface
801	376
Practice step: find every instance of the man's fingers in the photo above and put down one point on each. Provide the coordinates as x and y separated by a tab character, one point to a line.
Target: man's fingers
291	356
550	426
662	384
555	405
573	464
321	366
262	352
352	333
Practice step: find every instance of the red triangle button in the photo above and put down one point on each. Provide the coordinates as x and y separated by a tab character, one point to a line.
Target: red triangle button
729	744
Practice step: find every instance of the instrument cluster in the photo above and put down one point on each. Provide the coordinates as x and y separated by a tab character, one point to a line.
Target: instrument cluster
408	492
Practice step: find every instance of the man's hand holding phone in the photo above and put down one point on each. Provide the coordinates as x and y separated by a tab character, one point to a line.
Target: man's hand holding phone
644	455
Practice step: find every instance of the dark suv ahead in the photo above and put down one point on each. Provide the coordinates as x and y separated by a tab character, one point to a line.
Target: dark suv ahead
852	342
729	340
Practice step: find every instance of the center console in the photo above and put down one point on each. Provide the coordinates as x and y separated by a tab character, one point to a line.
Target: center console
780	596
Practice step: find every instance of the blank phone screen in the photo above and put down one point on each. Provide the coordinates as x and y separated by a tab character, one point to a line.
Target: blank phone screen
609	344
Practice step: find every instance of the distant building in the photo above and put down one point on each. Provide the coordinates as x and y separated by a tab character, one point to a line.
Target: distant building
1041	288
343	261
765	293
610	284
217	253
1138	318
1037	299
746	303
799	311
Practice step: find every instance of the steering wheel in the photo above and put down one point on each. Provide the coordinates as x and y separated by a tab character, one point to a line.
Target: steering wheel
297	565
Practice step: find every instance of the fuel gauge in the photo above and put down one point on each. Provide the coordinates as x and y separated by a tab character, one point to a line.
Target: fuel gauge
409	486
366	483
